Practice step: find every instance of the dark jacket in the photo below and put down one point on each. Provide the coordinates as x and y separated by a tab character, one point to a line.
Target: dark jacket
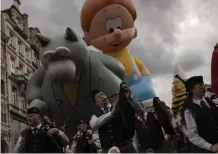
40	143
83	146
207	122
150	136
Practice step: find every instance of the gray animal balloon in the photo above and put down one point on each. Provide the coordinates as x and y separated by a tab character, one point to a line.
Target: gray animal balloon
69	72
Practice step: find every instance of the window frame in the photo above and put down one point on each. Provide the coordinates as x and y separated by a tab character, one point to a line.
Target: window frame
14	96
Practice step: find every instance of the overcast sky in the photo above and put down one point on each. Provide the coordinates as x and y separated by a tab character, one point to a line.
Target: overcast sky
171	32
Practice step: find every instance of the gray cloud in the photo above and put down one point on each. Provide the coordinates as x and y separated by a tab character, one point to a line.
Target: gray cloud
65	13
170	31
191	60
160	19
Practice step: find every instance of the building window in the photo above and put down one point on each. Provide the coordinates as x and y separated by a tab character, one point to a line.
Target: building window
2	87
12	39
21	68
14	95
3	54
28	54
23	102
12	63
35	58
20	47
3	113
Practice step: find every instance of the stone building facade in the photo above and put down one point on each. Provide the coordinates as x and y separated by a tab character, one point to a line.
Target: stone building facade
19	59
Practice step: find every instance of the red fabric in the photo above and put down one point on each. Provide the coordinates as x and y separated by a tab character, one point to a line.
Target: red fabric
214	72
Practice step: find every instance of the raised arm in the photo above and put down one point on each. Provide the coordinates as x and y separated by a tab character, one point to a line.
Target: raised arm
20	146
142	69
63	138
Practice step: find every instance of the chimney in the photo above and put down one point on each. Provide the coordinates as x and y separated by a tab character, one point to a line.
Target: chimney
25	24
17	4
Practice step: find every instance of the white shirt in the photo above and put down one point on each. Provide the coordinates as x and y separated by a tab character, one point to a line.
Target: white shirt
39	125
108	106
19	148
191	130
96	122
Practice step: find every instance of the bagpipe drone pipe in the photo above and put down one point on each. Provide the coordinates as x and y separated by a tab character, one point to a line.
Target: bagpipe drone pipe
125	110
48	124
164	115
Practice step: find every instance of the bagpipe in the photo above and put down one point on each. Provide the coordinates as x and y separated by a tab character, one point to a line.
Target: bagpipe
125	109
164	115
47	124
87	135
123	99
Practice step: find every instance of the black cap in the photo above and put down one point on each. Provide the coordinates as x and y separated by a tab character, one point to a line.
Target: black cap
33	110
191	82
82	122
94	93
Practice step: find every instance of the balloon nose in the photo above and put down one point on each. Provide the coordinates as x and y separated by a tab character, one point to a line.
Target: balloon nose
117	33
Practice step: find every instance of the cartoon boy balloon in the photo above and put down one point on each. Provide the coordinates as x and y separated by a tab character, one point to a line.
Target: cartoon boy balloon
108	25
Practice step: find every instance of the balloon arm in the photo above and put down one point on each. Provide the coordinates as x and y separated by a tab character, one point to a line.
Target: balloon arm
142	69
34	85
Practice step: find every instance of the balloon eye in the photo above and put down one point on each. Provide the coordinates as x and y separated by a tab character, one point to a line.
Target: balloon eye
111	30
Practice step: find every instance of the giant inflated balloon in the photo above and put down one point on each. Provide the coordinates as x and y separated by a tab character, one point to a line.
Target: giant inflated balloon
109	25
70	71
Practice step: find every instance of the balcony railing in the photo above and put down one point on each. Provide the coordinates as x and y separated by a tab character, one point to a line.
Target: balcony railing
16	110
4	126
3	98
19	76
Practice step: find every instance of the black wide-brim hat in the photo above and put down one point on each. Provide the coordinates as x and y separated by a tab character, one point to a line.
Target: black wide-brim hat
191	82
33	110
78	122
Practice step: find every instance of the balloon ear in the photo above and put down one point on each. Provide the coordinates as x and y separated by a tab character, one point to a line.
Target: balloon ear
86	39
136	33
70	35
43	39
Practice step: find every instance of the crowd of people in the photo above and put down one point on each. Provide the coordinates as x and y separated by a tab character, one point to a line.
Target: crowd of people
125	126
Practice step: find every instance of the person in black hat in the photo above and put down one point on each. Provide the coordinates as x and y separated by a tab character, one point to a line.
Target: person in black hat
86	140
38	137
149	135
115	122
201	118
